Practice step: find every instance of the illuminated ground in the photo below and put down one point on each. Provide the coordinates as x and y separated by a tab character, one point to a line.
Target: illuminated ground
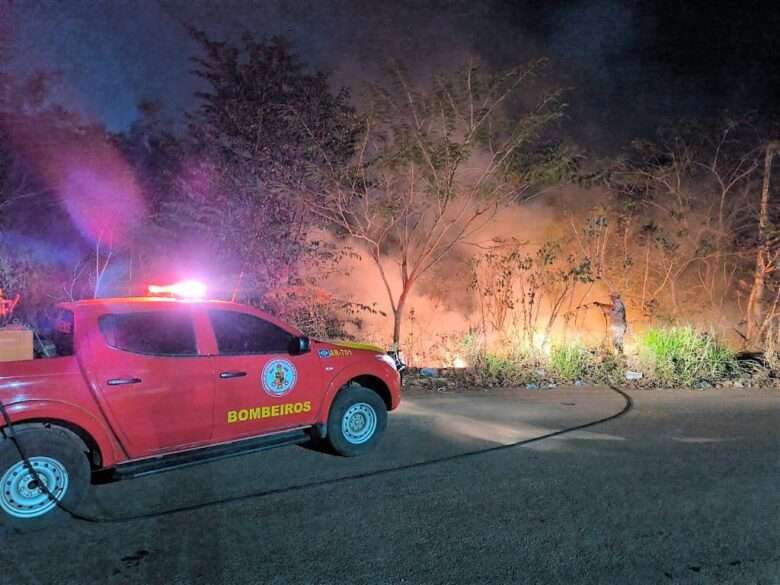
685	488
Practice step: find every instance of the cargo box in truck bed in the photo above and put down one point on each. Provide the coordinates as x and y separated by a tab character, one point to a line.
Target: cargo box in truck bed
16	344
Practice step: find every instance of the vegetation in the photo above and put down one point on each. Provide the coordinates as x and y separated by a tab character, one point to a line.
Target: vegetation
434	164
523	293
682	356
570	361
263	132
279	179
674	357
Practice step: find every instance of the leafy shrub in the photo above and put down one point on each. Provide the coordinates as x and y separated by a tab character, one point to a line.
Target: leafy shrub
471	346
570	361
675	356
510	364
523	351
683	356
501	368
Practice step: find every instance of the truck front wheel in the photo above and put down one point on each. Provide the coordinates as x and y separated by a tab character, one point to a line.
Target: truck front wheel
58	463
356	421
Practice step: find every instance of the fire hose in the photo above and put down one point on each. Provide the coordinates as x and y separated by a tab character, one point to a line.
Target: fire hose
628	405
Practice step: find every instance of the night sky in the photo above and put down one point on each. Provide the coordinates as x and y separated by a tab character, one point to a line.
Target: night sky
631	65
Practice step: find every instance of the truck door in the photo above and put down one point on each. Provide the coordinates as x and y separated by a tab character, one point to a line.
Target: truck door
157	390
261	387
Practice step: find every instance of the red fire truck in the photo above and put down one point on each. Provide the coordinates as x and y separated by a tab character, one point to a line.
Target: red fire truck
144	385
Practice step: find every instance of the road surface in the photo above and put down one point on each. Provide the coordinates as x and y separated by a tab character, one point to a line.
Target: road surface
683	488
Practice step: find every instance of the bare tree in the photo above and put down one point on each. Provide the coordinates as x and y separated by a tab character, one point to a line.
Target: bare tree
433	165
765	260
687	197
104	250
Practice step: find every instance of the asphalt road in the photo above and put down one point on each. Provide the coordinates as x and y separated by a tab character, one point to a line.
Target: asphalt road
684	488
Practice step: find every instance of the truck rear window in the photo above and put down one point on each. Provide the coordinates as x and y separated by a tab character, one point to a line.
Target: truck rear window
62	332
53	336
163	333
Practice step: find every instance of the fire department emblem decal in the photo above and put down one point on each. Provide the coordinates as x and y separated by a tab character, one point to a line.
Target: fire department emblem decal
279	377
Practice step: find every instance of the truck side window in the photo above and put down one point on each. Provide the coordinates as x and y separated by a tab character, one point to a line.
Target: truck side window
241	333
163	333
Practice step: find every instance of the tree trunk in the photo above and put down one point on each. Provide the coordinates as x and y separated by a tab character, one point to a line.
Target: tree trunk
398	315
755	301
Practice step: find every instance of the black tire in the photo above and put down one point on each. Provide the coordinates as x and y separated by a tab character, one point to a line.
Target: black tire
360	402
56	445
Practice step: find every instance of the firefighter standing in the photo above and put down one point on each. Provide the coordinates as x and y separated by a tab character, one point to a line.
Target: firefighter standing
615	314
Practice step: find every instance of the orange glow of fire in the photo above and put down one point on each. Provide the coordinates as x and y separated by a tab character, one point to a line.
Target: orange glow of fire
459	362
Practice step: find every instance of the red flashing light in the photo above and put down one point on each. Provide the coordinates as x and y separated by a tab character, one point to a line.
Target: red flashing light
187	289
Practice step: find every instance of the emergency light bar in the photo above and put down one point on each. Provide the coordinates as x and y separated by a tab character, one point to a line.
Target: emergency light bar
188	289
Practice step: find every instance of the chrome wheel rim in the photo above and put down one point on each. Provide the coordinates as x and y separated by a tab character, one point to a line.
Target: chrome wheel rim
359	423
20	494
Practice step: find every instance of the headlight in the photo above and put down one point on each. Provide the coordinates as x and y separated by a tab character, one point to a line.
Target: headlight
383	357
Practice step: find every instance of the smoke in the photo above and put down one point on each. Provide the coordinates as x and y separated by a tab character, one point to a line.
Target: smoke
95	185
632	65
442	304
611	31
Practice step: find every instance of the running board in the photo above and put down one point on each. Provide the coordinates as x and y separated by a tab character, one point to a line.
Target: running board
200	455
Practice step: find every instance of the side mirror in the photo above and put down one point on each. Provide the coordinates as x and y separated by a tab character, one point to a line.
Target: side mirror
299	345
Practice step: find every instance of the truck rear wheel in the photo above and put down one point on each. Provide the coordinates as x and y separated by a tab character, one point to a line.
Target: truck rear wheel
356	421
59	464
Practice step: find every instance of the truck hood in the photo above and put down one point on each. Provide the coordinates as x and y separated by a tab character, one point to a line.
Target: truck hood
357	346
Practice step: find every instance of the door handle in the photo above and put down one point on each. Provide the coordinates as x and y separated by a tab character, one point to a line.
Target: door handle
123	381
228	375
